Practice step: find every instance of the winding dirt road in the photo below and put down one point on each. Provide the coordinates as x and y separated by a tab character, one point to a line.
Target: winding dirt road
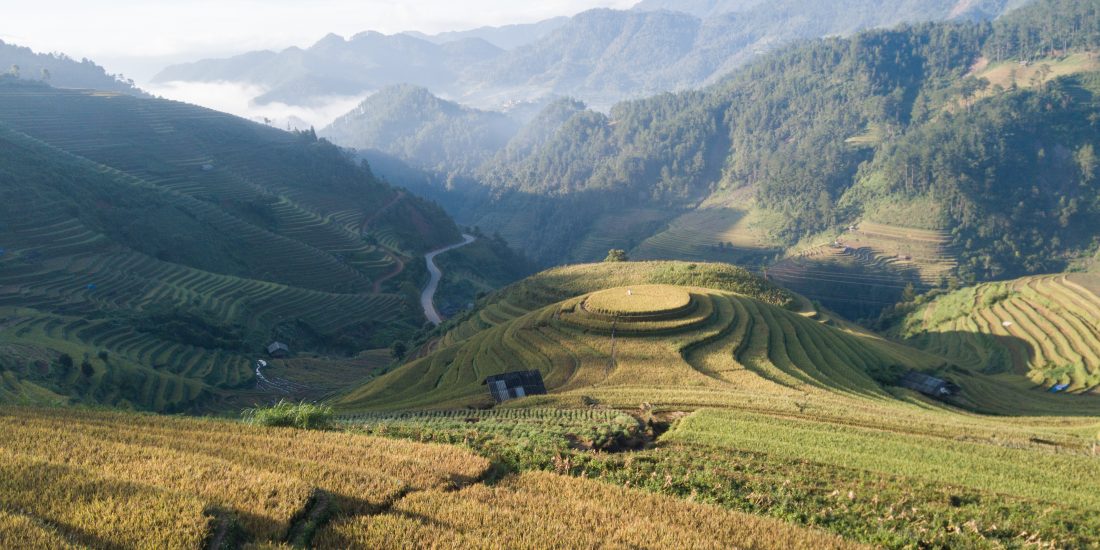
427	298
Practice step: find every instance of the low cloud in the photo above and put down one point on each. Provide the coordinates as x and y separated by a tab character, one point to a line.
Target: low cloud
237	99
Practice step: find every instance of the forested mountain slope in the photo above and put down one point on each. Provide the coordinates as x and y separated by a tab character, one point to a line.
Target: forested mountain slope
977	134
150	250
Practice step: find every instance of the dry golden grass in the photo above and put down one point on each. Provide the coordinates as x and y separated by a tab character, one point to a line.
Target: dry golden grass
17	531
263	478
543	510
638	301
96	510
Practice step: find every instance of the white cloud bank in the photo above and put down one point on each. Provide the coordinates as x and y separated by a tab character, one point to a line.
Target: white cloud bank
236	98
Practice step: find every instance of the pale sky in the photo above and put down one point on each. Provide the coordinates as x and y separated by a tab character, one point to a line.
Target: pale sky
137	37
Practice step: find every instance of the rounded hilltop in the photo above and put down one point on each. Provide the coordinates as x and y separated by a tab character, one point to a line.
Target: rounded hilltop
647	301
672	334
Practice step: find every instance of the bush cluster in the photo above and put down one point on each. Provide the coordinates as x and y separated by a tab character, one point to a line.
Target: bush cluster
284	414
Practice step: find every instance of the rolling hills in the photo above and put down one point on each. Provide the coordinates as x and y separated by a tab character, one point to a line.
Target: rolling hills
151	249
937	180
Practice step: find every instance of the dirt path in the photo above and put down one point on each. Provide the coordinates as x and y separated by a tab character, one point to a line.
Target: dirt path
366	223
427	298
377	288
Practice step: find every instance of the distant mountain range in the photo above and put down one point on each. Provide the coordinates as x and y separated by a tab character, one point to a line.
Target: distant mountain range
506	37
601	56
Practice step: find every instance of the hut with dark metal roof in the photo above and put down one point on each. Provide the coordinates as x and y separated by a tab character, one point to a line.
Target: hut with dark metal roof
278	349
513	385
928	385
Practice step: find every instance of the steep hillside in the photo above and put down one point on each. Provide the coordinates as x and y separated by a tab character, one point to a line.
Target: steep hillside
605	56
150	250
412	124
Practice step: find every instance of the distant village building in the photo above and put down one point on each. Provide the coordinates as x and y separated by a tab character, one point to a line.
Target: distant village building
928	385
513	385
278	349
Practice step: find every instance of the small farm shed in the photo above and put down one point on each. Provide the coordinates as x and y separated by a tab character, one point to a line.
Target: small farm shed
928	385
513	385
278	349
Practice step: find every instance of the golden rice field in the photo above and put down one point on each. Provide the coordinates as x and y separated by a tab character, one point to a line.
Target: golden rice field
1046	328
543	510
99	479
647	301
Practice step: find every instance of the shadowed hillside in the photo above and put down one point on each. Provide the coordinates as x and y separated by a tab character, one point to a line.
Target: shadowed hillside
150	250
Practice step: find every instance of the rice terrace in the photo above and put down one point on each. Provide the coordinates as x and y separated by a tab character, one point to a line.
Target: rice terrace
662	274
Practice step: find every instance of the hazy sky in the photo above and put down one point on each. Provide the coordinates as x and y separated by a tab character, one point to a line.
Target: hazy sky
138	36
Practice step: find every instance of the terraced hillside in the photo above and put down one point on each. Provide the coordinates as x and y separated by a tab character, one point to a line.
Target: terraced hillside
555	285
927	252
688	346
868	267
150	250
617	230
1046	328
721	229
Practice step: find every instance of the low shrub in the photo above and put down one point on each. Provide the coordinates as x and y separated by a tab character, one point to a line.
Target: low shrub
305	416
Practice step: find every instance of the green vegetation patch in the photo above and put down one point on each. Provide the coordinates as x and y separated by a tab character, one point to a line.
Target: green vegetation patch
1061	479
